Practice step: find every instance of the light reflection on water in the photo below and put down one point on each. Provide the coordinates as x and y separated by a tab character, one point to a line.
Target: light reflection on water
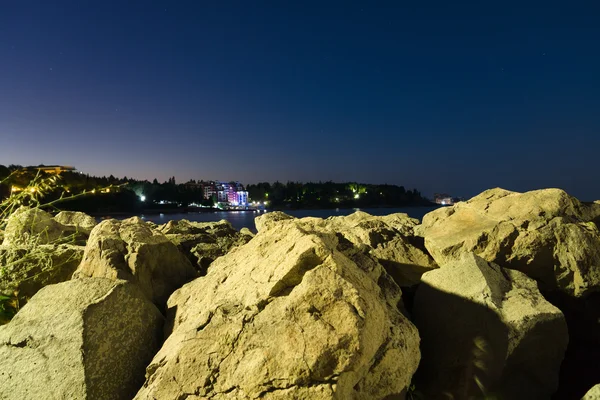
245	219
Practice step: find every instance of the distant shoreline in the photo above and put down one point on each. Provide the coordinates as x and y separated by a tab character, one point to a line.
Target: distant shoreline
153	212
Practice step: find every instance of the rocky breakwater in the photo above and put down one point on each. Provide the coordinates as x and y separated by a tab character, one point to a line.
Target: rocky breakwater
296	313
549	236
356	307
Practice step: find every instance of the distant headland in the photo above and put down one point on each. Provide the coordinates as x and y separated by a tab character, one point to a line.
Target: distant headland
93	194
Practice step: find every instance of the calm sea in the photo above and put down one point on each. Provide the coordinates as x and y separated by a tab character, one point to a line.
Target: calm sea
245	219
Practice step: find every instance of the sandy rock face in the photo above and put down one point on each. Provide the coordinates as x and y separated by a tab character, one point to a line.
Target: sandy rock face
27	270
131	250
32	226
546	234
81	339
292	314
479	321
81	221
270	219
28	226
390	240
203	242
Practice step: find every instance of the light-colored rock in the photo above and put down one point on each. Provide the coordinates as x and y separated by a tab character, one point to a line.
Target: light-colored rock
25	270
481	322
290	315
81	339
247	232
391	240
268	220
546	234
203	242
593	393
31	226
131	250
80	221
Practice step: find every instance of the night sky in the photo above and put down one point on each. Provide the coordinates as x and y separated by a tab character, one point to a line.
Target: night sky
442	96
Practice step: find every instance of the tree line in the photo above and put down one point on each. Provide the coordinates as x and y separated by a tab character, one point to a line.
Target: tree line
333	195
127	194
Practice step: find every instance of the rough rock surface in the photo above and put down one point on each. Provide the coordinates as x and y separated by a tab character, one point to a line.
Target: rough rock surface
546	234
293	314
131	250
391	240
29	226
81	339
593	394
478	320
203	242
26	270
80	221
247	232
270	219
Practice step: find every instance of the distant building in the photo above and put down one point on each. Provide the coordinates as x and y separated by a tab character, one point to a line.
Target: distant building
54	169
222	192
232	193
443	199
242	198
210	189
227	192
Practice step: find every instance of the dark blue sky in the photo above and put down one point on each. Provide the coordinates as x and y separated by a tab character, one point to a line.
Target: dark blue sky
437	95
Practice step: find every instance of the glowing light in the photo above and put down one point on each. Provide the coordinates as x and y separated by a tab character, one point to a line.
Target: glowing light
356	196
143	198
32	190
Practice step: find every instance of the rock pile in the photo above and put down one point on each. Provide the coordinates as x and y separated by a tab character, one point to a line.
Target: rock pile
547	234
203	242
295	313
133	251
38	250
495	296
32	226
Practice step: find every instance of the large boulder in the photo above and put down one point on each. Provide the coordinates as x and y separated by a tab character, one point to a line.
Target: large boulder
78	220
203	242
131	250
81	339
546	234
294	313
33	226
270	219
390	239
25	270
485	326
